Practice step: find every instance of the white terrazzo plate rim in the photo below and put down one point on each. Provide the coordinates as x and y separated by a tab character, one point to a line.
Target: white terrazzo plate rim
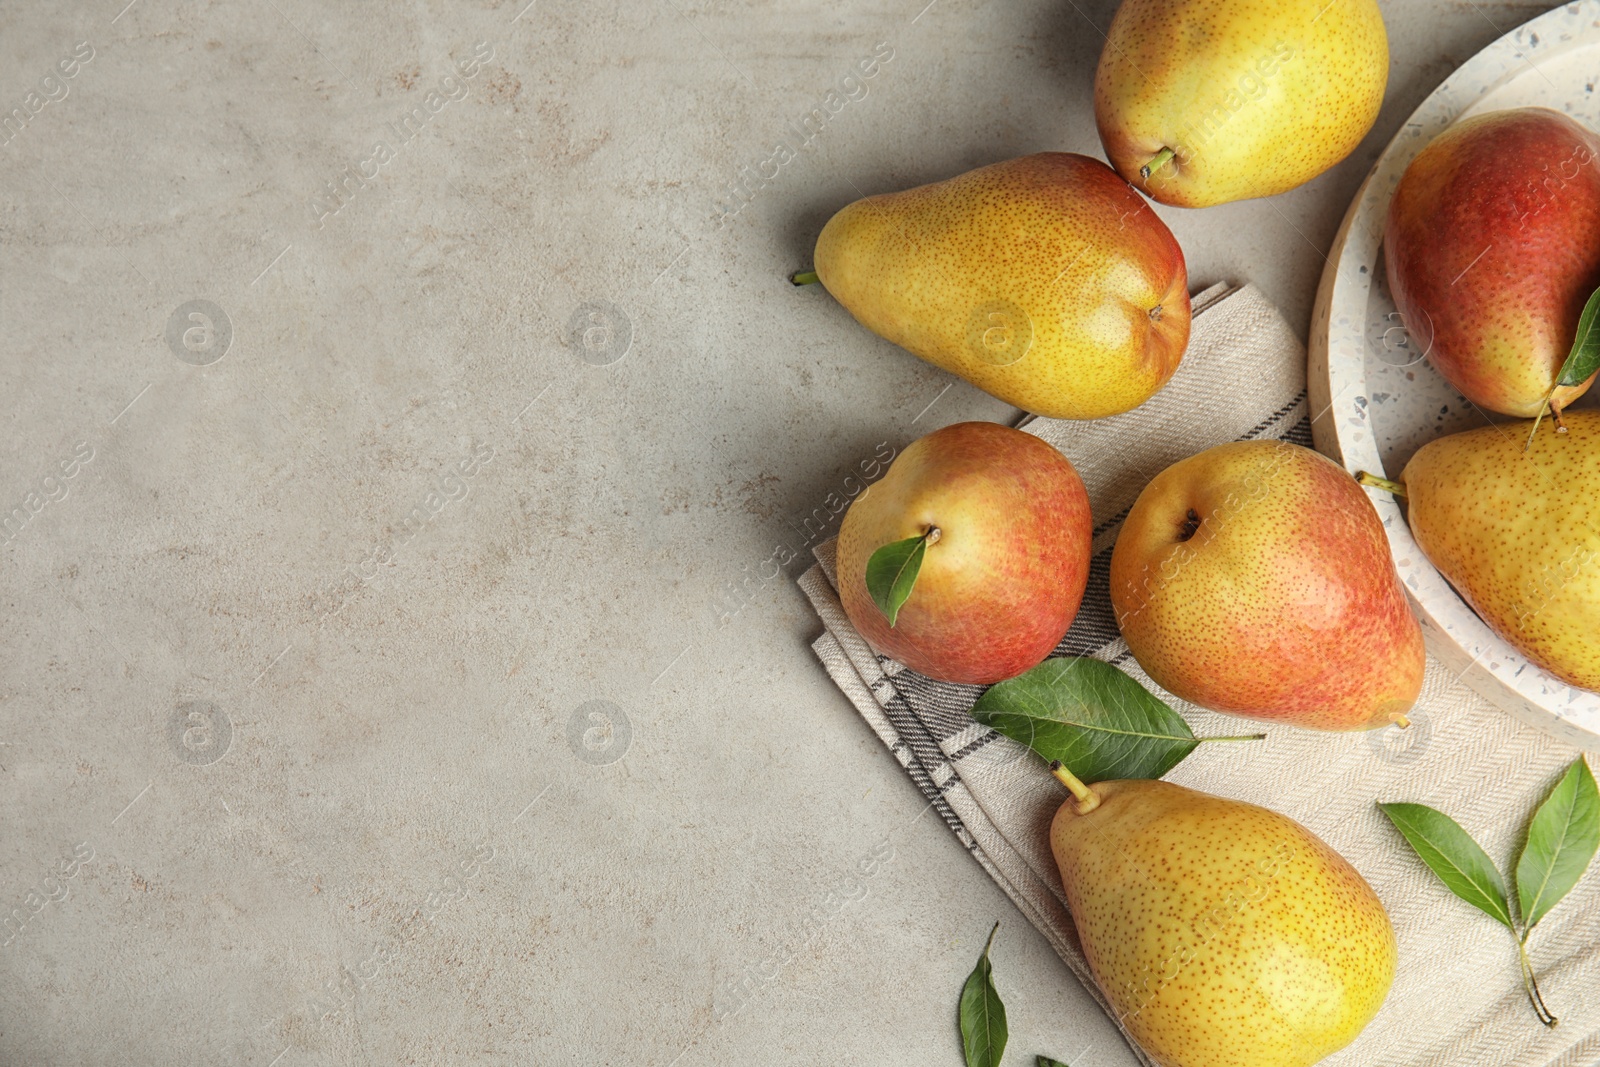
1505	74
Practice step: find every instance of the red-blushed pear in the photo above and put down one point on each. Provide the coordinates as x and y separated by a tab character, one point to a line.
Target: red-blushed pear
1492	247
1255	579
977	544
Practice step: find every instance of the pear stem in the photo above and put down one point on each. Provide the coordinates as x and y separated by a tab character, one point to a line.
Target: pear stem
1530	985
1385	484
1087	798
804	277
932	536
1157	161
1544	406
1555	413
1402	721
1239	737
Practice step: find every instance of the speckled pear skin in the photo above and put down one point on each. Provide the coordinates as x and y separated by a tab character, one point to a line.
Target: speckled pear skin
1224	934
1045	281
1254	96
1255	579
1003	583
1492	246
1518	534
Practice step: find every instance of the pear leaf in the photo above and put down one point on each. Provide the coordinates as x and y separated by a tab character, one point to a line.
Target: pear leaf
892	571
1452	854
1099	722
983	1016
1562	839
1584	359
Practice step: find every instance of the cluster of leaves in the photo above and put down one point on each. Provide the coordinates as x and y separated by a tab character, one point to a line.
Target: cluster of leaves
1563	837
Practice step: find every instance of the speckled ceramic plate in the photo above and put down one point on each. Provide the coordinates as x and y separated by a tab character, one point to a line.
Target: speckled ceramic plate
1376	397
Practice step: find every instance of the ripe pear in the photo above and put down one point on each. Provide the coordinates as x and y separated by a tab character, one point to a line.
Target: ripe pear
1518	534
1222	933
1492	247
1045	281
1255	579
1200	102
1007	527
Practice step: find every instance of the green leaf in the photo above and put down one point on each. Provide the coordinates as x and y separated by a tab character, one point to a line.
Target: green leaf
1100	723
1562	839
983	1017
1452	854
1584	359
892	571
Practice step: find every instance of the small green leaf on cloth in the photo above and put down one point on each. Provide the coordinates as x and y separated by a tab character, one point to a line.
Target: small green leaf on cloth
1562	839
1452	854
1095	719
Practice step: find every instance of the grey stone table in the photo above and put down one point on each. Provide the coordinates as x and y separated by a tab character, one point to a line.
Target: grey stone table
409	441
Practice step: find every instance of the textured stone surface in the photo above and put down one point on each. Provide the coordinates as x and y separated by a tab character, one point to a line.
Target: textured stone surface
293	651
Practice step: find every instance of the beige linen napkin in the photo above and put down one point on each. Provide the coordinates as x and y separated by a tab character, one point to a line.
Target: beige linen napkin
1457	998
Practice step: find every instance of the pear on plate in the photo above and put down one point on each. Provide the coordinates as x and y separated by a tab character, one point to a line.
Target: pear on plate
1255	579
1492	246
1222	933
1200	102
1045	281
1518	534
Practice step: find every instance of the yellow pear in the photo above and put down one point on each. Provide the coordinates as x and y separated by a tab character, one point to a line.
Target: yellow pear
1223	934
1201	102
1518	534
1045	281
